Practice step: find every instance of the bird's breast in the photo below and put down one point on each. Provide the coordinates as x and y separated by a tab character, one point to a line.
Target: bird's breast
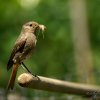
31	40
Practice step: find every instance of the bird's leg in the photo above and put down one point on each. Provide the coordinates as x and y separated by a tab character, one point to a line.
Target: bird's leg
24	66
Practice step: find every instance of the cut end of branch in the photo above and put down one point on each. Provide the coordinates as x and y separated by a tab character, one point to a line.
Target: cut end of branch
24	79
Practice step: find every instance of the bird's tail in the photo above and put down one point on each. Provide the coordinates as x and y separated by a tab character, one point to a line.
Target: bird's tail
12	76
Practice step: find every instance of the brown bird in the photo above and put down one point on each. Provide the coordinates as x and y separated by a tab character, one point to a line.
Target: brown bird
22	48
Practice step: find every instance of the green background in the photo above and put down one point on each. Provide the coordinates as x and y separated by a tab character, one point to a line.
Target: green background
54	55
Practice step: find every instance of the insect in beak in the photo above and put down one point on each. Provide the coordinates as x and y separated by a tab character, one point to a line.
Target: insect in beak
42	28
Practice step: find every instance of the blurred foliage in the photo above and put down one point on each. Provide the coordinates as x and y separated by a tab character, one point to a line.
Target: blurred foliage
94	28
53	55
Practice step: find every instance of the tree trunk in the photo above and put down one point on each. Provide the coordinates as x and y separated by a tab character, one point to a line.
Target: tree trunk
81	41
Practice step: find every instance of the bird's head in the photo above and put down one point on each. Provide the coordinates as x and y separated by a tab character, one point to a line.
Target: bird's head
33	27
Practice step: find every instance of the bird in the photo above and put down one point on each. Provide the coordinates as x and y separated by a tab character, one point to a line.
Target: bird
22	49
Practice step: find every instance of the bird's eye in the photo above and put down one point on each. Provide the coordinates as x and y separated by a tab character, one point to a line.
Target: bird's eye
30	24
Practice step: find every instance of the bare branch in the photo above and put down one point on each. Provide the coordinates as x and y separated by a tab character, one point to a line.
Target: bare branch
42	83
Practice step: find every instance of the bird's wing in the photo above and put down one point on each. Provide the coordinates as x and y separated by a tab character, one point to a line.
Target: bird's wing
19	46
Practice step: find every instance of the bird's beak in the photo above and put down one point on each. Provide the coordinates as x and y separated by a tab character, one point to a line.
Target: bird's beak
42	28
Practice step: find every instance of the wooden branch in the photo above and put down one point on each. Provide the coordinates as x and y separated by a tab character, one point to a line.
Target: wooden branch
42	83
